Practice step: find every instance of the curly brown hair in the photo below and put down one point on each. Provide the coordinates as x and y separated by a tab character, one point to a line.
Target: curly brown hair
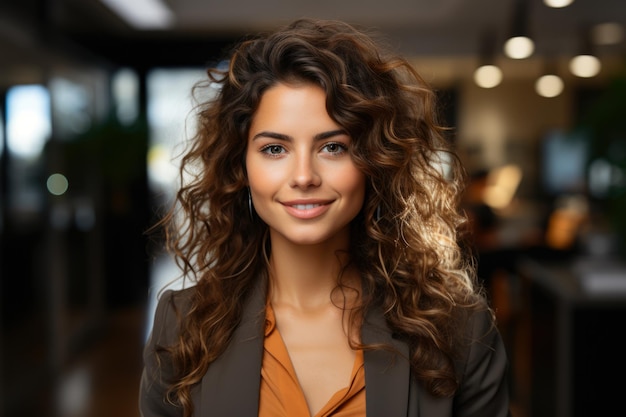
406	240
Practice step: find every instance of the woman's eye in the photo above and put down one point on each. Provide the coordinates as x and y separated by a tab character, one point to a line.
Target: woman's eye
334	148
273	149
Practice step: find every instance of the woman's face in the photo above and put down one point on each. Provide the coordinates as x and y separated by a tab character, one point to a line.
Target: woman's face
303	181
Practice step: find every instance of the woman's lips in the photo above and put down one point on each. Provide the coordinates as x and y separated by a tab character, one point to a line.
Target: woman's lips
306	210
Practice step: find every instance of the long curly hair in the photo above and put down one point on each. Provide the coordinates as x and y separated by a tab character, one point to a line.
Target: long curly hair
406	239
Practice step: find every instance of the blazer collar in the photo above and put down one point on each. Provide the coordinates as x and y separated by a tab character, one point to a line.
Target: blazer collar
387	373
232	383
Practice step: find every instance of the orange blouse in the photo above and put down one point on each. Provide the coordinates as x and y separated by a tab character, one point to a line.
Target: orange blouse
281	394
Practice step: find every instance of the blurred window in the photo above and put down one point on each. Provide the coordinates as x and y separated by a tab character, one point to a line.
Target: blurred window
28	120
28	129
125	89
1	131
170	122
71	107
564	160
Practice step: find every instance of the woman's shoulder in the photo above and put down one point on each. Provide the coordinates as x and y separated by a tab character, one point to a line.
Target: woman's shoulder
177	300
476	324
172	307
480	339
180	297
482	365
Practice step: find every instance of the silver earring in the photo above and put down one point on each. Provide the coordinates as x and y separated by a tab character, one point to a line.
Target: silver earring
377	214
250	204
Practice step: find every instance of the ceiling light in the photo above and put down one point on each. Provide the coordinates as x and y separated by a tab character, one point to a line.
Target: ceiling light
557	3
488	76
585	66
519	47
143	14
607	34
549	85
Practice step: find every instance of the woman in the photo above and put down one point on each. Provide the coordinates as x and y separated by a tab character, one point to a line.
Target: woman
320	227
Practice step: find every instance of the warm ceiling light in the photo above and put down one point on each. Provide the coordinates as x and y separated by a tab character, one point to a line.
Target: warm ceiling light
607	34
519	44
488	76
143	14
557	3
519	47
585	66
502	184
549	86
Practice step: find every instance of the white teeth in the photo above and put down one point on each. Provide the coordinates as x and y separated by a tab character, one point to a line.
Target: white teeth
305	206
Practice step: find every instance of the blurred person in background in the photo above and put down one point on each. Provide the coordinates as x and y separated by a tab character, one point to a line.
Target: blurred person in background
494	260
318	222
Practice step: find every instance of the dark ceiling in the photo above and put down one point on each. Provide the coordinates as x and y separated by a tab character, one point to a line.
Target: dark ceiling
54	32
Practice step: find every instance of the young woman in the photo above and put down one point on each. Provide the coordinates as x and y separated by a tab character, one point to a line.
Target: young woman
319	222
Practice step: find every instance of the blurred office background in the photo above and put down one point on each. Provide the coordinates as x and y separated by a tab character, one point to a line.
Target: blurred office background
95	97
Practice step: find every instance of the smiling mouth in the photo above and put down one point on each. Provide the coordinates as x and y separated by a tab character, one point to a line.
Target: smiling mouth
307	211
305	206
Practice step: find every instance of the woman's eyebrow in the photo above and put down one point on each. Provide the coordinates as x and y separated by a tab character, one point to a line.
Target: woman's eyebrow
272	135
330	134
280	136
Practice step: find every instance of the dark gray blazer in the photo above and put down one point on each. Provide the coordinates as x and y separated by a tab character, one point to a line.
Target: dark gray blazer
230	388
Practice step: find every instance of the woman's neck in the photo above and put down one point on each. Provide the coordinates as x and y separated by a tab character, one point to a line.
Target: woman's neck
304	277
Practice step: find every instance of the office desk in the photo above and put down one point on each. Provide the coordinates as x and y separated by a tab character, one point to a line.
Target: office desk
577	314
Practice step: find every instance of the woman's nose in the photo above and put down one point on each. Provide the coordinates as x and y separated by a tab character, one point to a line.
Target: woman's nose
305	173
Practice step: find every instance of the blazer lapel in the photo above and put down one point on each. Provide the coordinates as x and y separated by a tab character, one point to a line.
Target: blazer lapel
387	374
231	384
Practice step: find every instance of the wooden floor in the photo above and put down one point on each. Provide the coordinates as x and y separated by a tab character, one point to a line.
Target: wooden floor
104	380
101	379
